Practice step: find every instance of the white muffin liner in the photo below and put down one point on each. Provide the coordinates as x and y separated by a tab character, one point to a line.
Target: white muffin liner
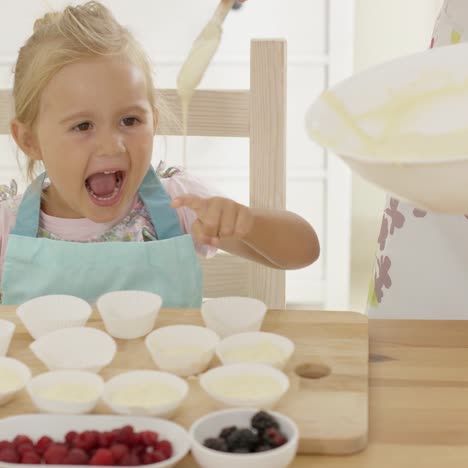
241	371
129	314
138	377
251	339
7	330
45	314
68	377
231	315
79	348
183	350
21	370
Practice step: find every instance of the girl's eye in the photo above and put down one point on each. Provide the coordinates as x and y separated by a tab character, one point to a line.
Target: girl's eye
129	121
82	127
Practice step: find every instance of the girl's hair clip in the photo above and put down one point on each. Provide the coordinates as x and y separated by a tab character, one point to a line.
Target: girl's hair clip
166	173
8	191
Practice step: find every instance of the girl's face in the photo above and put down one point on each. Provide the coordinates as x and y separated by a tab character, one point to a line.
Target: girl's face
94	134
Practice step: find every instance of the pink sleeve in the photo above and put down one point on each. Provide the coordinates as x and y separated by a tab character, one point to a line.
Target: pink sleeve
7	221
182	183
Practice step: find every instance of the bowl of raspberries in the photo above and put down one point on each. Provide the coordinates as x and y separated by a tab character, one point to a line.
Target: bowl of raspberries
91	440
244	438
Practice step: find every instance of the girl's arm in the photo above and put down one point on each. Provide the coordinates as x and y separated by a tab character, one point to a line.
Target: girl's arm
279	239
276	238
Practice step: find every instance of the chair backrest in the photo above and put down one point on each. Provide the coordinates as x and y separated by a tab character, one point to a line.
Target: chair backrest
258	113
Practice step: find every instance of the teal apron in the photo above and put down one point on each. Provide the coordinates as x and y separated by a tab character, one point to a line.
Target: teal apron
168	266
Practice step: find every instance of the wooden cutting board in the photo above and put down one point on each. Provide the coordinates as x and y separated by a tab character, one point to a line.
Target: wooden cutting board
328	397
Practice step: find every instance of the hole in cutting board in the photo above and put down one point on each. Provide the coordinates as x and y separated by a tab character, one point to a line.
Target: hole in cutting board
310	370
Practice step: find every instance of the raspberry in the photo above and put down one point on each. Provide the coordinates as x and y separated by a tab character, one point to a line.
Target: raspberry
274	437
149	438
125	435
242	438
22	439
9	455
138	450
102	457
43	444
70	437
55	454
106	439
153	457
165	447
86	440
135	439
119	451
76	456
131	459
216	443
262	421
24	447
31	458
6	444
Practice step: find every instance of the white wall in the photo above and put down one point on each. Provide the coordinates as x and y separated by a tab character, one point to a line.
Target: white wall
385	29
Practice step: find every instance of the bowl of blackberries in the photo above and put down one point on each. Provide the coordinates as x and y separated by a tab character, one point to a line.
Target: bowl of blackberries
244	438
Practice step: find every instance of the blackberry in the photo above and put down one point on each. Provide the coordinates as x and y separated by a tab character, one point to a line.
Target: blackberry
241	450
263	447
242	438
274	437
224	434
216	443
262	421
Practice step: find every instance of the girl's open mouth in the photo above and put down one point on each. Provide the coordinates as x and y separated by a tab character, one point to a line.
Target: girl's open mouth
105	188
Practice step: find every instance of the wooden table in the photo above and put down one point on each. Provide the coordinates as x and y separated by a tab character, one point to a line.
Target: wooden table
418	400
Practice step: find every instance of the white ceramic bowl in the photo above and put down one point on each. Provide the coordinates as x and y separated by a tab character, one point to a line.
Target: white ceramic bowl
409	181
78	348
211	425
129	314
7	330
231	315
57	426
238	382
137	385
9	368
79	391
183	350
259	347
401	125
45	314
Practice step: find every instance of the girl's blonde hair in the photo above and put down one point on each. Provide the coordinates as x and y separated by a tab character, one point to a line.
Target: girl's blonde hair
61	38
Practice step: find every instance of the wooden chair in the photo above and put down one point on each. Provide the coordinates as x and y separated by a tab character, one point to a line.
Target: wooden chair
258	113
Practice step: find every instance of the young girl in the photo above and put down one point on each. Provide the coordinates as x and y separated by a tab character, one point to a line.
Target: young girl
421	268
99	218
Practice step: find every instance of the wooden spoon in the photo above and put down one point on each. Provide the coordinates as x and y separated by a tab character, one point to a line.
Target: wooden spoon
201	53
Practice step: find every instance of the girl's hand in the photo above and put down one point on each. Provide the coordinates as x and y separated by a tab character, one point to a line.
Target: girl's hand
217	218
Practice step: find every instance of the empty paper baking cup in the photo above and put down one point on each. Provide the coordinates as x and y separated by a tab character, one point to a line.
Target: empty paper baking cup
45	314
129	314
80	348
230	315
7	329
